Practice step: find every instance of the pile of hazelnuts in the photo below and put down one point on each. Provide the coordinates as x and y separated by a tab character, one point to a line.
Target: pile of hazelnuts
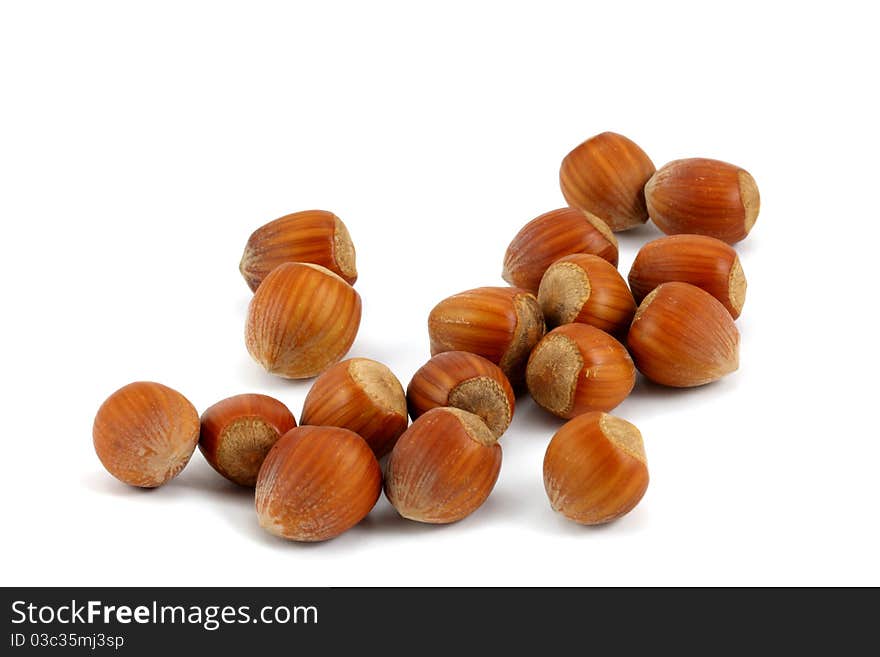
569	329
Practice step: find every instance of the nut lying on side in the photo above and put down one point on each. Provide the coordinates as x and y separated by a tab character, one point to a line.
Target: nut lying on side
313	236
706	262
501	324
586	289
703	197
302	319
145	433
577	368
443	467
316	483
361	395
239	431
595	469
466	381
682	337
606	175
544	240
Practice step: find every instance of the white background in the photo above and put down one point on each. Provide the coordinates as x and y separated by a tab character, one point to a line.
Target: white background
140	146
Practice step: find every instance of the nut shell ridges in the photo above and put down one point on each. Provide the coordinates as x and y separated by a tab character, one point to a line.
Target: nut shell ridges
555	234
362	395
586	289
316	483
683	337
595	469
466	381
706	262
501	324
606	175
578	368
703	197
314	236
302	319
443	467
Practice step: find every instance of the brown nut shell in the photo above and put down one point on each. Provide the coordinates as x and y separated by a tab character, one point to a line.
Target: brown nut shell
578	368
501	324
145	433
682	337
595	469
589	290
555	234
362	395
443	467
703	197
606	175
466	381
316	483
238	432
706	262
302	319
314	236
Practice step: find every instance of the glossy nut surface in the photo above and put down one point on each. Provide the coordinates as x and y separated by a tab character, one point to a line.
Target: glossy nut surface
145	433
578	368
682	337
595	469
302	319
586	289
316	483
705	262
362	395
606	175
314	236
443	467
703	197
238	432
466	381
501	324
551	236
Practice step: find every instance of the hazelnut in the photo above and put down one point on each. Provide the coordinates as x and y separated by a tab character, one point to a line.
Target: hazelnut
578	368
363	396
317	482
606	175
501	324
302	319
706	262
703	197
145	433
239	431
443	467
595	469
314	236
589	290
466	381
682	336
544	240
